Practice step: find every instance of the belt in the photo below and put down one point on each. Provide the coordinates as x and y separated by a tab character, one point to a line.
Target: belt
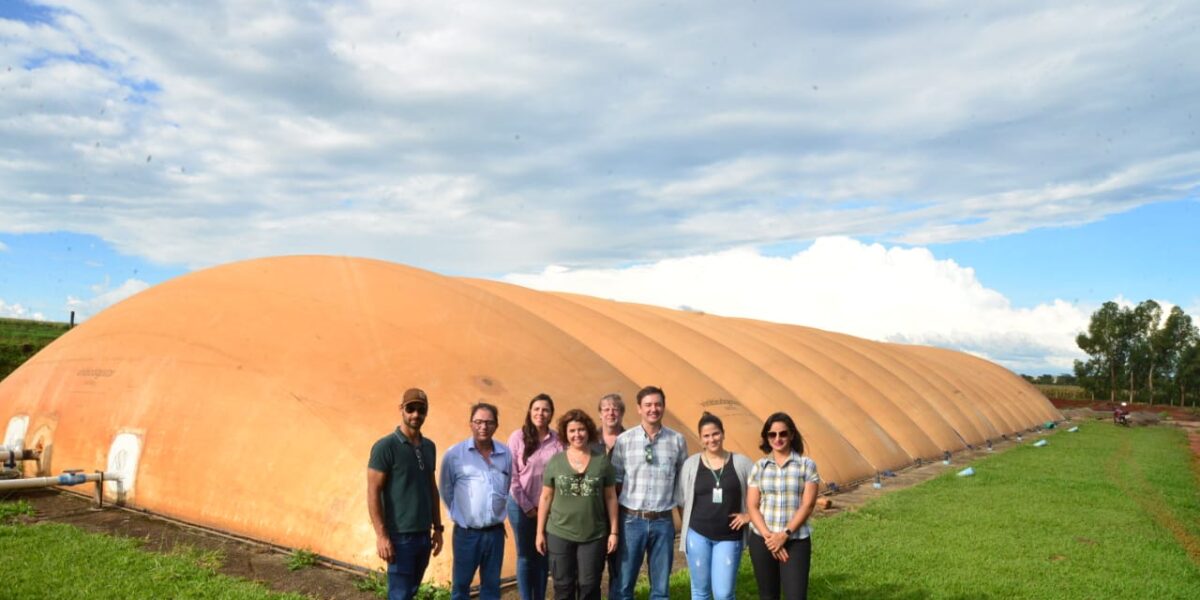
648	515
495	527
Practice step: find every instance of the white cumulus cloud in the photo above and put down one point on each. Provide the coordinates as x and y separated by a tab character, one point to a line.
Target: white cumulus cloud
840	284
498	136
16	311
104	296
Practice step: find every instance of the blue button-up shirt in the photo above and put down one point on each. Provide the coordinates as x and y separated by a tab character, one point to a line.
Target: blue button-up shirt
476	491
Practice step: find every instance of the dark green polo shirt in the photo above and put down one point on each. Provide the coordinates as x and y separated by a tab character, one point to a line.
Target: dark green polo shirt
407	502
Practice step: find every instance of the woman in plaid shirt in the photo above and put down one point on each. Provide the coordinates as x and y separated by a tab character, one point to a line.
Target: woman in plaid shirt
781	494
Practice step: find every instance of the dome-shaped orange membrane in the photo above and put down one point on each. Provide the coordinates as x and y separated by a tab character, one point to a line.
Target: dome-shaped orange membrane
256	389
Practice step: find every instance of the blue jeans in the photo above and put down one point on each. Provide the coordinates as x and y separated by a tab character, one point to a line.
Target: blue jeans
713	566
642	537
410	556
532	568
475	549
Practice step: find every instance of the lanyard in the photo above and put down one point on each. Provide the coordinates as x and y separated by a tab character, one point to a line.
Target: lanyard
716	473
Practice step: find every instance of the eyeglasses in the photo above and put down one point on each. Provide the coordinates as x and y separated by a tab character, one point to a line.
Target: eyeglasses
783	435
649	454
420	459
416	407
483	422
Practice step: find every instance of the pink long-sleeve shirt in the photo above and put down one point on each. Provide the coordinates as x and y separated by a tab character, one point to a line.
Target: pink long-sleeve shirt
526	485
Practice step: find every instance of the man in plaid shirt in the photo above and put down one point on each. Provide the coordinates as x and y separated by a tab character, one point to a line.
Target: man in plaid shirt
647	460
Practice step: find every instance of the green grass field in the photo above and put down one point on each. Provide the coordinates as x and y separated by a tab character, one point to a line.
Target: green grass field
52	560
20	339
1103	513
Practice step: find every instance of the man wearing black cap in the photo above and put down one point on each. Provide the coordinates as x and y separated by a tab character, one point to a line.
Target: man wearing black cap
400	474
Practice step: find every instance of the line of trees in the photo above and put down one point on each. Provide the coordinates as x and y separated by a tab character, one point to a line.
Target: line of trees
1048	379
1139	355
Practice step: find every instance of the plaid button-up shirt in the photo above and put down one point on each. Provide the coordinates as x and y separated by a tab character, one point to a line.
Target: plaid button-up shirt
648	484
780	491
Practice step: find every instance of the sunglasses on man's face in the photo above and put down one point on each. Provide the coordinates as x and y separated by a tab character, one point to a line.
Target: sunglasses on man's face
417	407
783	435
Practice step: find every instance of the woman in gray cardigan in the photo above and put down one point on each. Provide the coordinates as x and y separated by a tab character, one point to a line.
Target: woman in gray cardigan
712	492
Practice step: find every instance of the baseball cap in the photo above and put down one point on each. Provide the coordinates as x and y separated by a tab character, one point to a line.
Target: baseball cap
414	395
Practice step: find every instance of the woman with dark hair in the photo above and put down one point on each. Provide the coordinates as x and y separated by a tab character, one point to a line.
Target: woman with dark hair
577	512
781	496
712	492
532	446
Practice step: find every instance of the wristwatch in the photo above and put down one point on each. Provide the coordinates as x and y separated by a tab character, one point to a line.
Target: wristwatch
439	528
788	532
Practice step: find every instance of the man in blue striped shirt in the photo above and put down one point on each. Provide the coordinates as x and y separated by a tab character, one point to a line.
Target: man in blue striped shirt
474	483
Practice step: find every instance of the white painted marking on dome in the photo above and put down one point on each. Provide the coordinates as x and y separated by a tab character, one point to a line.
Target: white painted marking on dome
123	460
14	435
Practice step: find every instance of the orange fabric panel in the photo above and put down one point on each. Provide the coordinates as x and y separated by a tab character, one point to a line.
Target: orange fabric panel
257	388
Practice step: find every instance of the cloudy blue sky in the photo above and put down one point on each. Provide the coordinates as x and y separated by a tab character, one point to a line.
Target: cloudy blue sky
967	174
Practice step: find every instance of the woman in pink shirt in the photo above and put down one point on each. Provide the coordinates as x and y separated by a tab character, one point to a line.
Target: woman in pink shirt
532	446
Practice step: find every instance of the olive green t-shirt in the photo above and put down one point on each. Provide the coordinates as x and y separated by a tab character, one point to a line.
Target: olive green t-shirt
577	513
407	498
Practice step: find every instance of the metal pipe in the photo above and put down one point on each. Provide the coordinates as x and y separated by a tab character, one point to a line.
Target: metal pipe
64	479
8	455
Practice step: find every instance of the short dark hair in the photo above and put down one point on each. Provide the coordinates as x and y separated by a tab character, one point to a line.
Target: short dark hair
781	417
488	407
710	419
650	390
576	414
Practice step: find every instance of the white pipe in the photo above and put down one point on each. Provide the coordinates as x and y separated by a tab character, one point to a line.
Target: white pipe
64	479
14	454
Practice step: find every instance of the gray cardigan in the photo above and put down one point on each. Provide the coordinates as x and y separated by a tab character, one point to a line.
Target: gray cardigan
687	483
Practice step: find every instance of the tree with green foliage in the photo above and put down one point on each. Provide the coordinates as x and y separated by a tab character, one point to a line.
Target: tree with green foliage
1172	341
1134	351
1103	343
1187	374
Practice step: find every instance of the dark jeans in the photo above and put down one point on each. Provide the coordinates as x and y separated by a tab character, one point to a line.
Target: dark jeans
532	567
410	556
576	567
475	549
651	539
774	577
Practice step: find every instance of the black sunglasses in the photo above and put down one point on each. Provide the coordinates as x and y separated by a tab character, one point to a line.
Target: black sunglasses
778	434
417	407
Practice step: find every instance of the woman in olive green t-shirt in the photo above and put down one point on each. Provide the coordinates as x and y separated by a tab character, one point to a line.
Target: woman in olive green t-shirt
577	514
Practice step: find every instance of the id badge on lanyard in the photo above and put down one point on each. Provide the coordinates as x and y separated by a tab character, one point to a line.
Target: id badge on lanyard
717	495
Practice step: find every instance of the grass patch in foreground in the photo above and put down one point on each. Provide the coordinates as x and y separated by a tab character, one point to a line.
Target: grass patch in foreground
11	512
1103	513
51	560
301	558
